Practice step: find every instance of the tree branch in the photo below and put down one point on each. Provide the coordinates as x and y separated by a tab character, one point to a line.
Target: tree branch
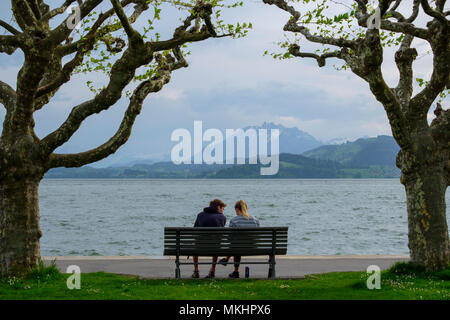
35	8
364	56
440	45
122	73
179	40
440	126
123	133
385	4
395	6
52	71
392	106
321	59
440	4
284	6
28	80
362	6
62	32
341	42
406	28
400	17
433	13
51	14
7	95
8	27
132	34
9	44
9	50
404	58
84	46
402	25
25	17
182	35
96	33
440	130
292	26
415	12
366	62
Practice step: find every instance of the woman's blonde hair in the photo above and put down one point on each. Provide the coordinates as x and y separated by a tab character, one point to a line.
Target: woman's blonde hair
242	206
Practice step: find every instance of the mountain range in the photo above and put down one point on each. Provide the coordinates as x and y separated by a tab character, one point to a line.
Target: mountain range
291	140
301	156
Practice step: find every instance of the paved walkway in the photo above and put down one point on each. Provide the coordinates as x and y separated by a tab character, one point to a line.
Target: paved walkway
291	266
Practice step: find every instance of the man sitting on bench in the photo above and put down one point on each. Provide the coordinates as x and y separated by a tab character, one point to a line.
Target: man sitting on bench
211	216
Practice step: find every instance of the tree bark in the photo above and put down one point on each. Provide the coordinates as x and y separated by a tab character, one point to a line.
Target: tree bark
424	155
24	157
427	224
19	226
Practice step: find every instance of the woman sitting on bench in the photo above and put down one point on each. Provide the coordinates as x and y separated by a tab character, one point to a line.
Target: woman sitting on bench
242	220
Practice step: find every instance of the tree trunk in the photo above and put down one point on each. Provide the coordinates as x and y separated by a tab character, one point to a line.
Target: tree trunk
427	223
19	226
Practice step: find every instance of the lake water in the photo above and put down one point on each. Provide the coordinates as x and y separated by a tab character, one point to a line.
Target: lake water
127	217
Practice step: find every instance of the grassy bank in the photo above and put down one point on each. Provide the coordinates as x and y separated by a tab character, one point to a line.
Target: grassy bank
400	282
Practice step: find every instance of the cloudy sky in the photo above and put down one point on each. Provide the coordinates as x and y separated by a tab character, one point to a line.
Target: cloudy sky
229	84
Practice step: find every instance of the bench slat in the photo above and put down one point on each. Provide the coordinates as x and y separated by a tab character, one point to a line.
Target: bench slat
224	228
200	241
246	239
226	236
228	252
229	236
222	247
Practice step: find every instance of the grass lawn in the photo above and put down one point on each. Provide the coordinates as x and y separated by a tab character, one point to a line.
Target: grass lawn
402	281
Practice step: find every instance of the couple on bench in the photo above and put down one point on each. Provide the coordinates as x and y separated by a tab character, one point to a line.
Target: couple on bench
213	216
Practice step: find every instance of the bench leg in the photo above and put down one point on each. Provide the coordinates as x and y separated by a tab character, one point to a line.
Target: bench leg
272	267
177	269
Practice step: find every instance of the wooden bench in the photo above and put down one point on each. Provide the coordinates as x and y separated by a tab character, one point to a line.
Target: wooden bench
184	241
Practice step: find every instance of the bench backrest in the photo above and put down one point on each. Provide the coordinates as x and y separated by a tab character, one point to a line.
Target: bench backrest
225	241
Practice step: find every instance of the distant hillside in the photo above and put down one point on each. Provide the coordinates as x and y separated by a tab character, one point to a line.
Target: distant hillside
160	170
363	158
291	167
379	151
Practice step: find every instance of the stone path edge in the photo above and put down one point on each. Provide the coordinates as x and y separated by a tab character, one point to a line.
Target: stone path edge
282	257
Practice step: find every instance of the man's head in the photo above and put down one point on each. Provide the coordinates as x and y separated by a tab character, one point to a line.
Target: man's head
218	204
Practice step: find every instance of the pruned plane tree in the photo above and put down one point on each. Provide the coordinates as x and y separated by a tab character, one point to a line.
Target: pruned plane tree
359	34
54	48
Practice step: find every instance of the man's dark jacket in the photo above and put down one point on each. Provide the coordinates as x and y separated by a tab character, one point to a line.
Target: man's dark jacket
210	217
